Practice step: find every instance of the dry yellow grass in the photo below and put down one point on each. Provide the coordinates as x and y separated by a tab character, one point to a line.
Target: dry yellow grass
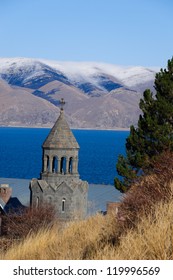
151	240
91	239
75	241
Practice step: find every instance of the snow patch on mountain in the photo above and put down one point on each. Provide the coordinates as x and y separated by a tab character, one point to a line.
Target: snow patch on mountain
88	71
78	72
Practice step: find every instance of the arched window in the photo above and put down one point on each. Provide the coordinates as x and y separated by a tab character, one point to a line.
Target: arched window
55	165
63	165
37	202
70	169
63	205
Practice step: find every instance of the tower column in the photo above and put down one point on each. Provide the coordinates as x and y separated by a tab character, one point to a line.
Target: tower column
75	166
59	164
45	163
67	166
50	165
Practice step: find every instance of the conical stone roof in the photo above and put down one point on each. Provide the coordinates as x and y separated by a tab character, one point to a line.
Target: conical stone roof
60	136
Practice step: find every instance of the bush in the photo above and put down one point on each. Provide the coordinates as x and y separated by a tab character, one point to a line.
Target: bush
149	190
19	225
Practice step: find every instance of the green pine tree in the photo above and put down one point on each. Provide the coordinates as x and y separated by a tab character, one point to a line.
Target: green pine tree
153	134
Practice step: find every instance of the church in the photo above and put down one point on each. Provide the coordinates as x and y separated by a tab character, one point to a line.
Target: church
59	183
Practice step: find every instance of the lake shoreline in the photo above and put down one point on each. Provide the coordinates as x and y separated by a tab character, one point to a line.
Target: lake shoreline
98	194
73	128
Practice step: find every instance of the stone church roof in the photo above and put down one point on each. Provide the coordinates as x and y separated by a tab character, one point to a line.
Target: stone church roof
60	136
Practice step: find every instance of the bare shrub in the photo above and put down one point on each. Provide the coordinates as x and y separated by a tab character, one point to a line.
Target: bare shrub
19	225
148	191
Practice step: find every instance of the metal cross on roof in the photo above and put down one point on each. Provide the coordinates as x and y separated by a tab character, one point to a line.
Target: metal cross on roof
62	103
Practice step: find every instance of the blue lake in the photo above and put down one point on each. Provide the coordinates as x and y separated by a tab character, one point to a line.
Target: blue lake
21	153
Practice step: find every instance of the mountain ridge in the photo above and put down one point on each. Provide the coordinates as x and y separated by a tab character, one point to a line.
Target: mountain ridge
98	95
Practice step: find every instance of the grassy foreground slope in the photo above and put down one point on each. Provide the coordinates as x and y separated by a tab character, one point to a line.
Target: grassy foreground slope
143	228
91	239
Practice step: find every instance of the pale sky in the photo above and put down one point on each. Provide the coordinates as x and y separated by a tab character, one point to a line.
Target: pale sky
122	32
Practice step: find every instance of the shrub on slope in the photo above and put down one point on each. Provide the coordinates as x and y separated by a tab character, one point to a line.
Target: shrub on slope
19	225
151	239
147	192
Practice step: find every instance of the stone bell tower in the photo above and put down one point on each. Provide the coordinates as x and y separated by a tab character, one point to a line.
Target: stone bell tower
60	153
59	182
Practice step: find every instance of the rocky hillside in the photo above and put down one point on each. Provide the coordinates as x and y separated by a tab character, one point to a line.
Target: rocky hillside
97	95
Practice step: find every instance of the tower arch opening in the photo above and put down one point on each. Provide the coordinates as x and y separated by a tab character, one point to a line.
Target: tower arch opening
55	164
70	167
63	165
47	163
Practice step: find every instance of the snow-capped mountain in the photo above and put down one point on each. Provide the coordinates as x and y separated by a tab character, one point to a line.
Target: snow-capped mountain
98	95
94	73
